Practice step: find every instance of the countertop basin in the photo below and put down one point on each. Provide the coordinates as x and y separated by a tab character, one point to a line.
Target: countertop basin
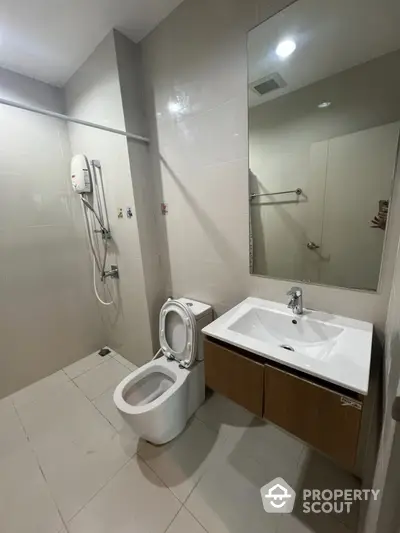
331	347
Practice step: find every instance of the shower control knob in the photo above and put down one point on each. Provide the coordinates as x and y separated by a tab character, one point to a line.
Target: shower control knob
312	246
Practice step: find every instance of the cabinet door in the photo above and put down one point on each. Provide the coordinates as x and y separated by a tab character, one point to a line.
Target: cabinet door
322	418
236	377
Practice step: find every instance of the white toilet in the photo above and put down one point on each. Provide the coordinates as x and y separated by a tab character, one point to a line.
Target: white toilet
158	399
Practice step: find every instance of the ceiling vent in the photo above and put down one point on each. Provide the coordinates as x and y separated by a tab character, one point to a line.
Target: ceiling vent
270	83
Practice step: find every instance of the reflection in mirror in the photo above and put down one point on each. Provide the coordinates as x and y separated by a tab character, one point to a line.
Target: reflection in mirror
324	120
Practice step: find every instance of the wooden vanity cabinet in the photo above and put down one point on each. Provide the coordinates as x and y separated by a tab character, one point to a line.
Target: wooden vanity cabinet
237	377
326	417
327	420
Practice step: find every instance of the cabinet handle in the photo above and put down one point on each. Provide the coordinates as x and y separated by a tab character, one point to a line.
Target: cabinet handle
347	402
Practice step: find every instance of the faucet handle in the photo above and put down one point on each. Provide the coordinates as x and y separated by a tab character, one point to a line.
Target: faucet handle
295	291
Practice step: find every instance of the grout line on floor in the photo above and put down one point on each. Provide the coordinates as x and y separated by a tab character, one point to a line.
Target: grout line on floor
101	488
88	370
98	410
93	400
64	522
113	476
40	467
129	362
176	514
63	370
198	521
97	366
201	476
22	424
165	485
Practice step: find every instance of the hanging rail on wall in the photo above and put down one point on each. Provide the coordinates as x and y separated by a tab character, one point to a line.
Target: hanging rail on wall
296	191
66	118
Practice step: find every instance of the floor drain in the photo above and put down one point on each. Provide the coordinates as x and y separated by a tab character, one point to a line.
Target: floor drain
287	347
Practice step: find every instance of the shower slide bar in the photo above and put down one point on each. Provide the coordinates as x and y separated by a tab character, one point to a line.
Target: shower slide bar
296	191
66	118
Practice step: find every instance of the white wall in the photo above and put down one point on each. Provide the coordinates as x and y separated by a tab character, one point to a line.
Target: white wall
146	194
48	314
94	94
197	57
384	512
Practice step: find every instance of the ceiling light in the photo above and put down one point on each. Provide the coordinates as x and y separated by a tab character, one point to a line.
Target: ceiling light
324	105
175	108
285	48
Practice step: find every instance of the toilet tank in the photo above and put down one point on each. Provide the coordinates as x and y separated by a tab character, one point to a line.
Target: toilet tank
204	316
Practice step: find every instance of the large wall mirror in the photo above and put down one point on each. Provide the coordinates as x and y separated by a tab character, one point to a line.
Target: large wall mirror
324	121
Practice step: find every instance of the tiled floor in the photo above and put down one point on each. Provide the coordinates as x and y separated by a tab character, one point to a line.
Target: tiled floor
69	464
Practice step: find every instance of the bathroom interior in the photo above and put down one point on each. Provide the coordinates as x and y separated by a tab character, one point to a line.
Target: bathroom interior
200	266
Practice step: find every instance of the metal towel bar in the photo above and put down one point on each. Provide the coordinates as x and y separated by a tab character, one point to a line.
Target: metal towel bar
296	191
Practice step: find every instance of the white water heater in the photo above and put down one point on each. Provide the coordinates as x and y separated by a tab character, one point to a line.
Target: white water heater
80	174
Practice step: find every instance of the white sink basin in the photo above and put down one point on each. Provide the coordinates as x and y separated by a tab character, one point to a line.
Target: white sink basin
331	347
303	334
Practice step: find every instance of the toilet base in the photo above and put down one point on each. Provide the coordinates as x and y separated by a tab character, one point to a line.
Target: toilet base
162	424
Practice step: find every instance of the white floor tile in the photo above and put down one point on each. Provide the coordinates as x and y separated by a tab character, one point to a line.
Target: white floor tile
64	442
224	416
278	451
85	364
48	412
41	390
181	462
105	404
101	378
77	448
134	500
318	472
26	505
311	524
12	434
184	522
124	361
227	498
76	473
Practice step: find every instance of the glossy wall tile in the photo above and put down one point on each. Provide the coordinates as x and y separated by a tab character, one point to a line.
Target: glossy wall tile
49	314
196	78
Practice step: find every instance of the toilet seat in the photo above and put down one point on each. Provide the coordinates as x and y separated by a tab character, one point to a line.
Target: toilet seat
174	316
170	370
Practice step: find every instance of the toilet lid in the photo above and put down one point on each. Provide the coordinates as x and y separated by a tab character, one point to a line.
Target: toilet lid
178	332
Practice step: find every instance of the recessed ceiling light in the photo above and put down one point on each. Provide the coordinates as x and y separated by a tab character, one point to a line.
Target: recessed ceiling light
174	108
285	48
324	105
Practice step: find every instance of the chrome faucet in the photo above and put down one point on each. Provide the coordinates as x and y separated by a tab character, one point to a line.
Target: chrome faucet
296	300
